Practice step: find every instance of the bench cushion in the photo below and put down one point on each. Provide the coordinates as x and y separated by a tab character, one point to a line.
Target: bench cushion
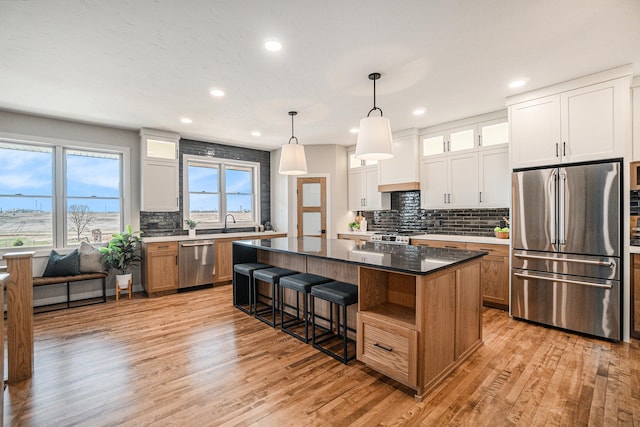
64	279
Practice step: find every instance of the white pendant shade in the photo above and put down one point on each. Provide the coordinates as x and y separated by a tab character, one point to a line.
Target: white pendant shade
374	139
293	160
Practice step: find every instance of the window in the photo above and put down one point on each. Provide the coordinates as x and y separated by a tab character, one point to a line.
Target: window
217	187
42	205
93	204
26	195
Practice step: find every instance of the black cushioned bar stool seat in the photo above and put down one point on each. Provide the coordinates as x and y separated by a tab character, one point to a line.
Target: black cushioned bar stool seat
302	284
243	296
269	275
344	295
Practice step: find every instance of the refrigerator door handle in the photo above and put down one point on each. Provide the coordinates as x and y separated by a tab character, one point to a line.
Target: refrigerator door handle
561	217
552	202
556	279
580	261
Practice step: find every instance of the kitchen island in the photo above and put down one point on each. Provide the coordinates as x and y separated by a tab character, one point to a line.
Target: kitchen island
419	311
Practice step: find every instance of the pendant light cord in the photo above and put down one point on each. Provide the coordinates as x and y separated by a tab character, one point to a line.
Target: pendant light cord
374	77
293	113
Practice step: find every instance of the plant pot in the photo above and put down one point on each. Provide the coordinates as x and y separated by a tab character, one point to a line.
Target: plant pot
502	234
123	280
192	233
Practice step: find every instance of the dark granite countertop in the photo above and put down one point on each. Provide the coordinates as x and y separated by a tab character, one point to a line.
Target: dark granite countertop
410	259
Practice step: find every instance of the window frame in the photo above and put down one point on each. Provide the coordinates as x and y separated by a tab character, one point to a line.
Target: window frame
58	205
222	165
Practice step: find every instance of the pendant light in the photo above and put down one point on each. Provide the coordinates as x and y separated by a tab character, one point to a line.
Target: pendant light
292	160
374	140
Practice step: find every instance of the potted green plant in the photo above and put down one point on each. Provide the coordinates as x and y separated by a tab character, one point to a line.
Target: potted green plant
121	253
354	226
192	224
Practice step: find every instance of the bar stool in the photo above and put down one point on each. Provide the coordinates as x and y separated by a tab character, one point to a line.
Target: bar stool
344	295
302	284
242	297
269	275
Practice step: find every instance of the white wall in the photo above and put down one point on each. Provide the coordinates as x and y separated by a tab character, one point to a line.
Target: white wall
328	161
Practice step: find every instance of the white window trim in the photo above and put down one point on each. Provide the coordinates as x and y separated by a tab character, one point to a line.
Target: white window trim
59	228
222	162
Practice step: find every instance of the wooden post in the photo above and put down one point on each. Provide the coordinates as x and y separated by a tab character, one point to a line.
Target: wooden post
4	281
19	316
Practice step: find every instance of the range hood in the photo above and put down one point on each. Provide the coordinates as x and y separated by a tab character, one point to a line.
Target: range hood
404	186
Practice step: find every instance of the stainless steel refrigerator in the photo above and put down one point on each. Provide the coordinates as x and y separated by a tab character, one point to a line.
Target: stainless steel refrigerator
566	239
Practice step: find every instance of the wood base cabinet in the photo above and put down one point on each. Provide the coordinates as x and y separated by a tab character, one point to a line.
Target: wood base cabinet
160	268
224	257
495	269
635	297
417	329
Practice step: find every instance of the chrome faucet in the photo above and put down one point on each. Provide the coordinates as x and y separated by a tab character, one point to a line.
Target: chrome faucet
225	222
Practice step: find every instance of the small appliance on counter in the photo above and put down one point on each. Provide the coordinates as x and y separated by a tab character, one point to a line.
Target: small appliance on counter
393	237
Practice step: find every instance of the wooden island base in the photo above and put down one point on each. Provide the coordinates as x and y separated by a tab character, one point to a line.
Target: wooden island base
412	327
417	329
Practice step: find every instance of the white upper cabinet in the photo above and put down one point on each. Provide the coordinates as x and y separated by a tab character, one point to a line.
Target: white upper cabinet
466	165
159	171
582	120
402	171
493	134
362	191
535	132
494	180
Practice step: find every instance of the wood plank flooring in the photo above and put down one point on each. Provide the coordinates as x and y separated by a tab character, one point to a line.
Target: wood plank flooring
193	359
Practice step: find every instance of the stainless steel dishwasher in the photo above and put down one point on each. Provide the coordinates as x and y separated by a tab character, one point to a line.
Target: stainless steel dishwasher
196	263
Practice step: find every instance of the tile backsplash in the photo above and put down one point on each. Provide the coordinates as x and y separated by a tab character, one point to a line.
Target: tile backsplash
406	215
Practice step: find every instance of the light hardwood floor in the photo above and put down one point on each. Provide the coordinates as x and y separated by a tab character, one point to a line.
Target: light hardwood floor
192	359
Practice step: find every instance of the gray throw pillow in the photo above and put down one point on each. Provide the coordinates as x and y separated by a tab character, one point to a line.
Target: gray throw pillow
90	259
62	265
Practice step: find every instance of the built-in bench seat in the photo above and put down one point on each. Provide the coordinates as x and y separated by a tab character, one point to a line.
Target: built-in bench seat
43	281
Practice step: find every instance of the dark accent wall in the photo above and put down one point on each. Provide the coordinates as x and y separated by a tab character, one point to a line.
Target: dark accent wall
170	223
406	215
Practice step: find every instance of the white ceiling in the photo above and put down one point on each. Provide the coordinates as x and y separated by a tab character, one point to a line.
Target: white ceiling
146	63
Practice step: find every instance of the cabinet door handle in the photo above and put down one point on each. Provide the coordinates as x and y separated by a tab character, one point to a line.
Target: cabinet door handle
389	349
176	259
444	195
450	247
556	149
448	197
448	145
479	140
564	148
444	146
481	197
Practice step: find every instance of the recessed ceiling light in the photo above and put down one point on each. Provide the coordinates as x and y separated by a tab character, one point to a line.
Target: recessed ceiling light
517	83
418	111
186	120
256	133
272	45
216	92
354	130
